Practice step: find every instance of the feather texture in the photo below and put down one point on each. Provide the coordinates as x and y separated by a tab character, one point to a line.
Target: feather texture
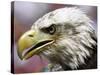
75	46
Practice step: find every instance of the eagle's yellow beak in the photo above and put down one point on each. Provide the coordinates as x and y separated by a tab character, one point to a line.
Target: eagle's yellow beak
31	43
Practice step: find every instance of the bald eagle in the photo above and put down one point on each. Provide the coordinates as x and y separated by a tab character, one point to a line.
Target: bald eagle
65	37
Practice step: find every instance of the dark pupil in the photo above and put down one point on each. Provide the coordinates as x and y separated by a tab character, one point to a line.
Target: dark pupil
51	29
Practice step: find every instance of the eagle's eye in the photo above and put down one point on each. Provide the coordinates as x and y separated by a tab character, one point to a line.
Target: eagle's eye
50	30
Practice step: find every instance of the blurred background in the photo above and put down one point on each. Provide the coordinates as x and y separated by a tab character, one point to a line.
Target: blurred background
25	14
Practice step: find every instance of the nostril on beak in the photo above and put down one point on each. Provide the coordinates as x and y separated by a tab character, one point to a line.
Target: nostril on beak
30	35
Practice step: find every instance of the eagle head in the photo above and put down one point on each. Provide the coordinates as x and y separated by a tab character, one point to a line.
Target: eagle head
64	36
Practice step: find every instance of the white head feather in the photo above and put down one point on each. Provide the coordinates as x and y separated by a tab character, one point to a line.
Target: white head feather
76	36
